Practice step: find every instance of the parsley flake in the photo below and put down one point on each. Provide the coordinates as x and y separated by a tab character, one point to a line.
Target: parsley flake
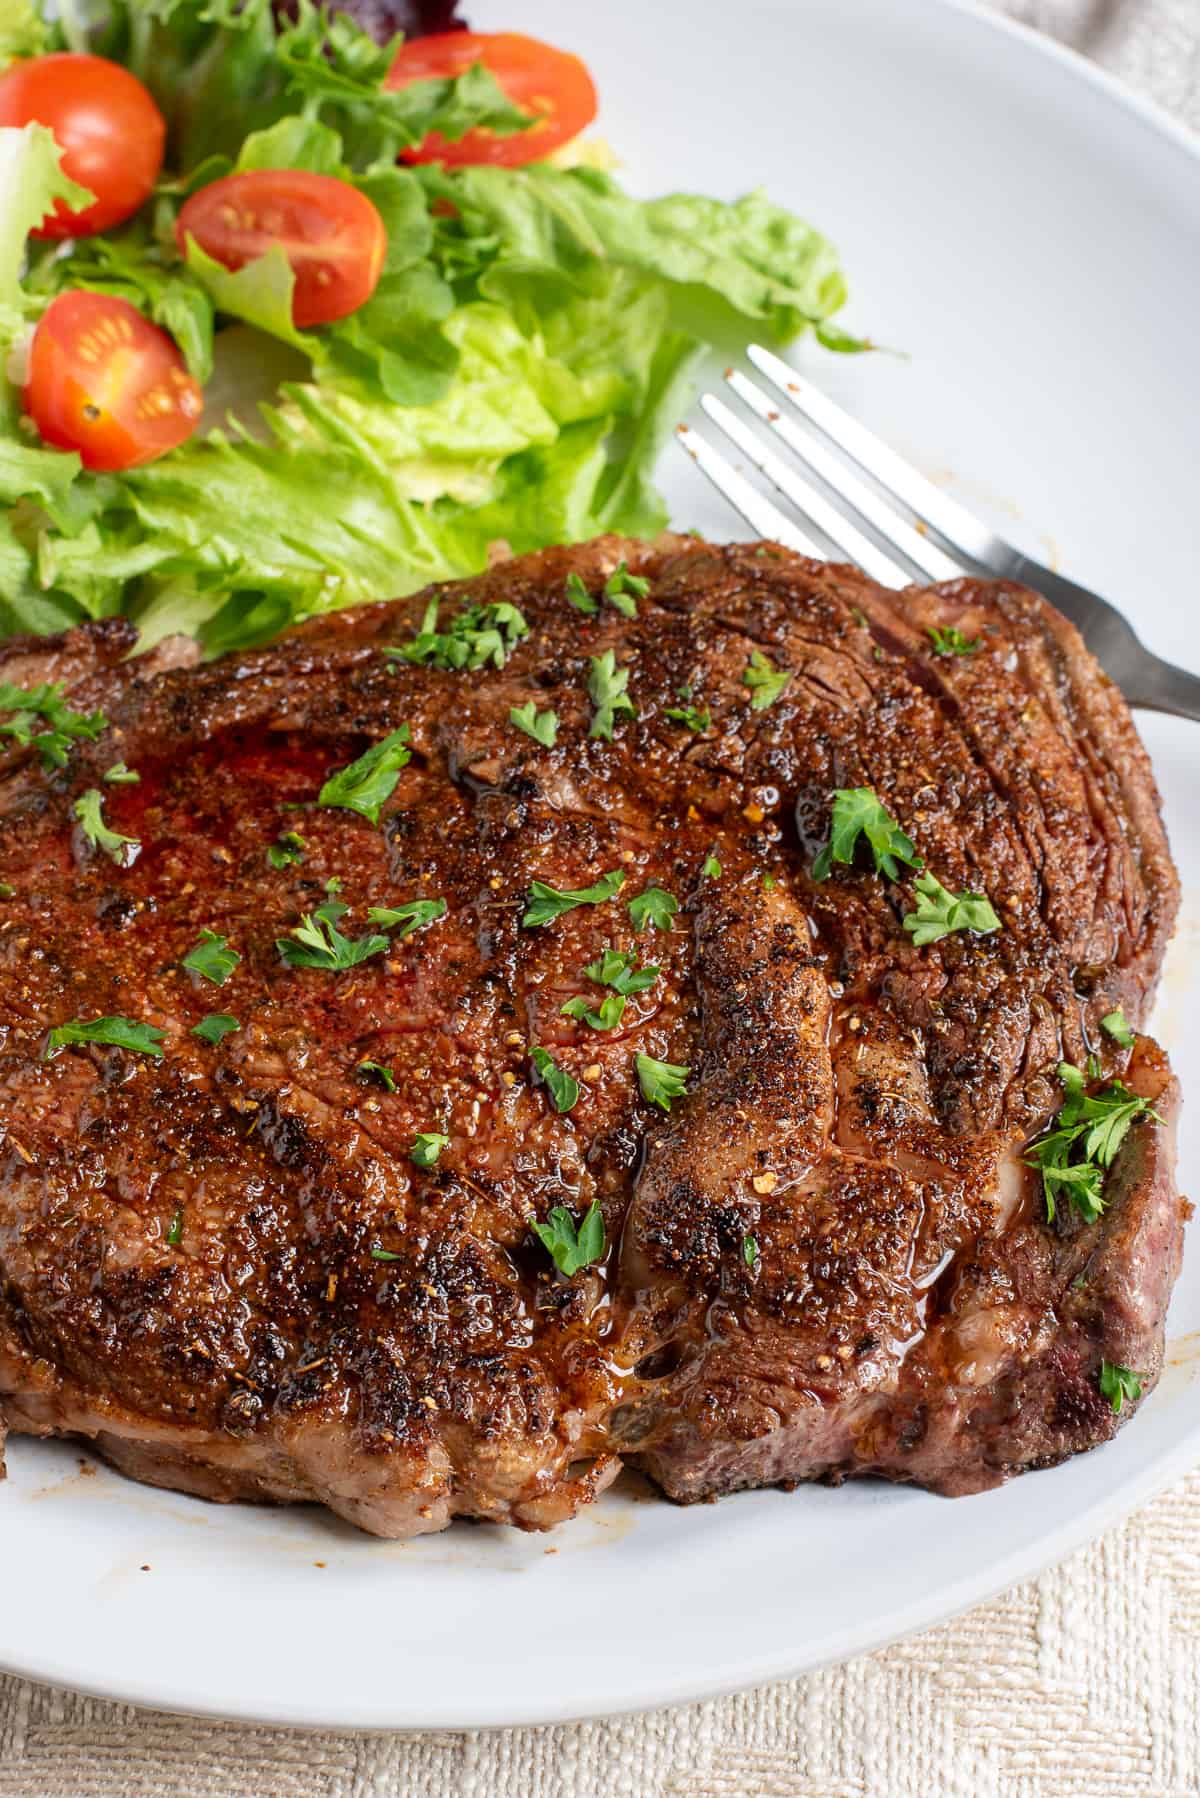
44	705
562	1087
384	1255
660	1081
286	849
375	1070
414	914
541	726
175	1229
712	868
1118	1028
121	776
215	1026
612	1010
579	597
475	636
212	958
1089	1130
765	681
688	715
750	1251
546	902
364	785
654	907
939	913
857	812
1120	1383
569	1248
89	809
619	970
607	690
951	642
427	1147
320	944
622	590
118	1033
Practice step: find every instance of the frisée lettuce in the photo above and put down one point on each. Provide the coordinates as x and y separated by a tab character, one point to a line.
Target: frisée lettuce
510	380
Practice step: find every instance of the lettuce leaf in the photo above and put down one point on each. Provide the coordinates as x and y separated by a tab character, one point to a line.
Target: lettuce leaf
511	380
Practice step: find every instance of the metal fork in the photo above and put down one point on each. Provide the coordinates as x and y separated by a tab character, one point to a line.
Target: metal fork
945	542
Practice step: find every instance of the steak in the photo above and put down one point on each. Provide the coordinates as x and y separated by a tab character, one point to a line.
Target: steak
255	1268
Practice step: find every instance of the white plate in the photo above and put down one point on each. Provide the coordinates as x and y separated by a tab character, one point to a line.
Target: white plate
1031	237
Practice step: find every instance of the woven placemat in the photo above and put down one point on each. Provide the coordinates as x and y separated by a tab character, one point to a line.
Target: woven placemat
1083	1684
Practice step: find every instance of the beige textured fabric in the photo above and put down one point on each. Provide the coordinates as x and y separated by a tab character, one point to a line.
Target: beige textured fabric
1084	1684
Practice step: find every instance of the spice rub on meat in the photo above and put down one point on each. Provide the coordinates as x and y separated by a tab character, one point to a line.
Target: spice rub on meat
685	1159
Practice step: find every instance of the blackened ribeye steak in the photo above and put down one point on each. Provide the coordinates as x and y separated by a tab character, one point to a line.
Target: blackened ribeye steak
413	1239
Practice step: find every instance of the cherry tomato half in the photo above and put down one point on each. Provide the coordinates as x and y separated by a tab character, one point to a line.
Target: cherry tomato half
109	129
106	382
551	85
333	236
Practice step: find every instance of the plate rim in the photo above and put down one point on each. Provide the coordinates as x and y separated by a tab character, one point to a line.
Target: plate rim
944	1603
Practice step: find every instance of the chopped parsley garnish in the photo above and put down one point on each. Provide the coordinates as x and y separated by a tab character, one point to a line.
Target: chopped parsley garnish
212	958
364	785
654	907
414	914
375	1070
712	868
286	849
1089	1130
541	726
384	1255
44	706
216	1025
620	971
951	642
546	902
562	1087
857	812
750	1251
119	1033
688	715
320	944
1120	1383
622	590
569	1248
427	1147
612	1010
473	637
175	1229
579	597
769	883
89	809
1118	1028
939	913
121	776
660	1081
607	691
765	681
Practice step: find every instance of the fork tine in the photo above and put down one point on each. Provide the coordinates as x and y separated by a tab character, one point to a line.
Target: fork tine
758	511
948	519
879	513
815	508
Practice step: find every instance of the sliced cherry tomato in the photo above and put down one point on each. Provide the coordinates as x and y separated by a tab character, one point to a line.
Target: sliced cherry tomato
333	236
106	382
551	85
110	131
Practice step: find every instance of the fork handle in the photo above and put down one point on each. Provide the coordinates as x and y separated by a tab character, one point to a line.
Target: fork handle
1145	679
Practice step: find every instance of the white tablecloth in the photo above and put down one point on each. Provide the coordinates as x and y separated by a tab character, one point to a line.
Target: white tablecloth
1084	1684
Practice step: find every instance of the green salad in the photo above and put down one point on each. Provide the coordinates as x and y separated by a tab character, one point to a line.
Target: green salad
524	342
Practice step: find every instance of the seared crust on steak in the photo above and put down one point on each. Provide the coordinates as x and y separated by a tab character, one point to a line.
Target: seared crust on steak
829	1259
